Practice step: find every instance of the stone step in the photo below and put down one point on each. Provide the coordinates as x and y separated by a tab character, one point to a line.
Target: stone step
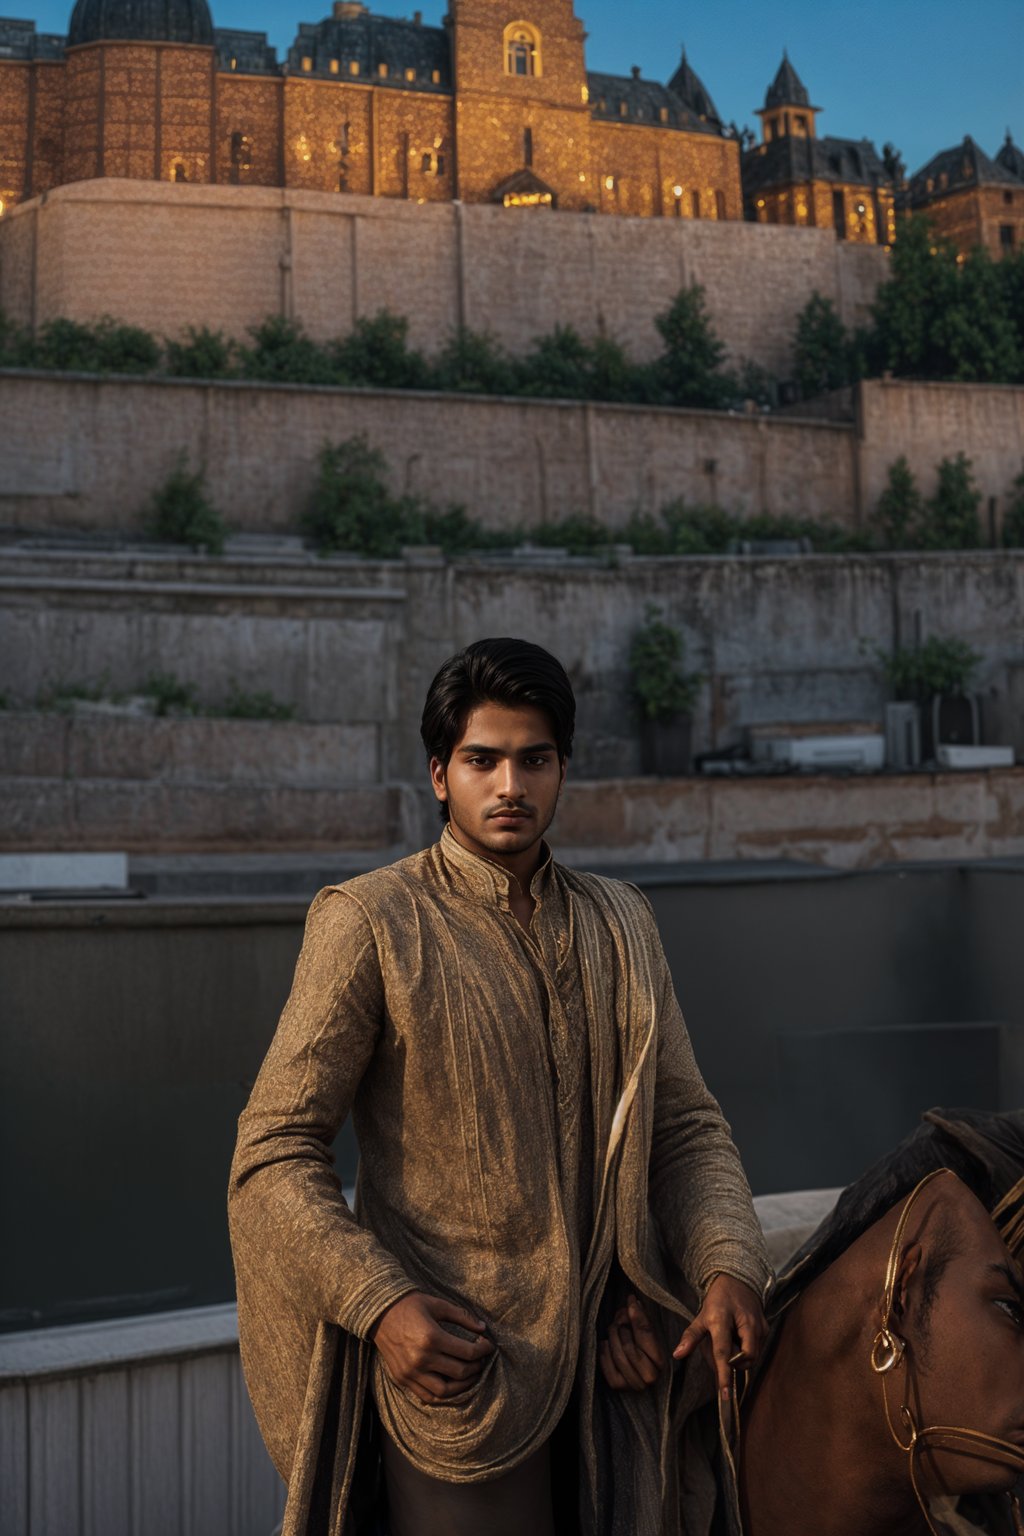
255	753
143	815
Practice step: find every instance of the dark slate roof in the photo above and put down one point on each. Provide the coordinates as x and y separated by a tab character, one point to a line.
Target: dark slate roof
20	40
690	89
790	159
251	52
954	170
1011	158
374	40
787	89
630	99
150	21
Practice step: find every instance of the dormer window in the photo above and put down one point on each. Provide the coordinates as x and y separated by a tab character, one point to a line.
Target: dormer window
522	50
382	71
353	66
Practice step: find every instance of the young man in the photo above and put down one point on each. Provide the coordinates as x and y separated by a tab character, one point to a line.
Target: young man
548	1195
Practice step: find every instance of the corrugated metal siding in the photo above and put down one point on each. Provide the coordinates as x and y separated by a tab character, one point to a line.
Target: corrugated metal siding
167	1449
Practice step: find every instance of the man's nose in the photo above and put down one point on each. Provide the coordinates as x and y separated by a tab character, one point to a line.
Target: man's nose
510	781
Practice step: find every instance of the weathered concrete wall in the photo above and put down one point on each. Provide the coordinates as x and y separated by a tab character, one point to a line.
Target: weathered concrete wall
929	422
357	642
229	256
89	453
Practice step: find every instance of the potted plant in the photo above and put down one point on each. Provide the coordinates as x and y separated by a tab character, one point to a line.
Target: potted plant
936	676
664	695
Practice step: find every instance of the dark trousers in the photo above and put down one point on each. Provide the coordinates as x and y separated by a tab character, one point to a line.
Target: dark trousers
517	1504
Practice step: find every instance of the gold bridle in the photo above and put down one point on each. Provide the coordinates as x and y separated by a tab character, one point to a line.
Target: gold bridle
889	1353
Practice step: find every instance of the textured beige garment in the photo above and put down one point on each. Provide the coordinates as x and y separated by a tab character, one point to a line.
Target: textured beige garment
421	1005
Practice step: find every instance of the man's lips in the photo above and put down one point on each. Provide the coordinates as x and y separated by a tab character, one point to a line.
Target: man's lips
510	815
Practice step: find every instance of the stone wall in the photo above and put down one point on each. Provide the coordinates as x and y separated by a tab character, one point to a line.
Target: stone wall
229	256
89	453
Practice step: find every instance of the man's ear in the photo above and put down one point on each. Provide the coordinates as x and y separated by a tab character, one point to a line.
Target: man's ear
907	1275
437	779
565	769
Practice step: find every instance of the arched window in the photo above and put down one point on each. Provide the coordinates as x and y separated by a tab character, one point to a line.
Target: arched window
719	204
522	50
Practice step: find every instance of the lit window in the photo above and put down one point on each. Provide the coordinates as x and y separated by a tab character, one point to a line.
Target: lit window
677	191
522	50
435	77
382	70
663	114
585	94
609	183
353	66
410	74
6	199
241	155
234	63
307	63
623	108
334	66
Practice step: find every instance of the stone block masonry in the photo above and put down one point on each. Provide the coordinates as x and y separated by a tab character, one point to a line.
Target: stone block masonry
228	257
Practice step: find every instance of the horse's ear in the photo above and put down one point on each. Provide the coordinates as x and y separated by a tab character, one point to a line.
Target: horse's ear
908	1268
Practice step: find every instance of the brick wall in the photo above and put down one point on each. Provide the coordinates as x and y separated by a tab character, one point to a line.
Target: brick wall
228	256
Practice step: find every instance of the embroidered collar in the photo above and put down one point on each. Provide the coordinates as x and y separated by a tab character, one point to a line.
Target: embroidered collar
482	877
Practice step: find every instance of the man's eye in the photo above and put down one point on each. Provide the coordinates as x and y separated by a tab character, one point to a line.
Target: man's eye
1013	1310
536	762
481	762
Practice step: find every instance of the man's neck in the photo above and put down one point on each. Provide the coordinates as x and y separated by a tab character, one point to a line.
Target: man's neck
521	866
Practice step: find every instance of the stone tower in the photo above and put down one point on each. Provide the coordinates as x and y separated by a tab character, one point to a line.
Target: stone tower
787	110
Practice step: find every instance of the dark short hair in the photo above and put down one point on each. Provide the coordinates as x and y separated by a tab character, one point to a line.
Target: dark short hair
509	672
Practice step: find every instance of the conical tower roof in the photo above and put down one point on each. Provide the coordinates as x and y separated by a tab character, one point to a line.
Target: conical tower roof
1011	158
690	89
150	21
787	89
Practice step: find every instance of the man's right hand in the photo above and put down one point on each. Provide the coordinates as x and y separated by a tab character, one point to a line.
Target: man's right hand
421	1355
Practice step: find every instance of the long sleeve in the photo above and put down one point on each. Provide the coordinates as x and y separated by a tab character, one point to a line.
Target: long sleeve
286	1204
699	1192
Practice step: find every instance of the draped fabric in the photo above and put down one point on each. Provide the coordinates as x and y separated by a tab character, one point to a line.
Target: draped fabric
531	1123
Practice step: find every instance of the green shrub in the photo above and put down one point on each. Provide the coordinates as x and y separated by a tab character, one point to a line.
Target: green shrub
557	366
455	532
260	705
1013	522
660	687
202	354
376	354
918	673
823	354
351	509
950	519
577	535
282	353
106	347
688	371
897	517
181	512
474	362
15	344
170	696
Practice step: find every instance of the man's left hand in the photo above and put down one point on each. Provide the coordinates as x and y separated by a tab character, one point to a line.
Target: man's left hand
730	1325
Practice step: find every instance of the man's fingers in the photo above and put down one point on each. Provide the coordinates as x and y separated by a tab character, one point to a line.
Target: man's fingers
750	1338
444	1343
447	1311
643	1333
627	1359
690	1339
608	1370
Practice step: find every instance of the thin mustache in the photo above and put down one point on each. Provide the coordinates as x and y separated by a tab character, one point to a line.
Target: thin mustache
511	810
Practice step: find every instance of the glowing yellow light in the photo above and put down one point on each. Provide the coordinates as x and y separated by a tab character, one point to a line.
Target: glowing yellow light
609	183
302	148
583	175
585	93
677	191
760	202
307	63
334	66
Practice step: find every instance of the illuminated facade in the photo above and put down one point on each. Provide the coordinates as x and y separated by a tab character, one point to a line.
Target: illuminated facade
795	177
971	199
494	106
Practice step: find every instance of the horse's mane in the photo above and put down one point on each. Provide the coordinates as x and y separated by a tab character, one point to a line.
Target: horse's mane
984	1149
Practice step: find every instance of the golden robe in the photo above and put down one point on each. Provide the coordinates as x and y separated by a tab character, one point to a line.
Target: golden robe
529	1114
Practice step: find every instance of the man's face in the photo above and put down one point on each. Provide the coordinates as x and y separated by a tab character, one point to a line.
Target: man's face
502	781
971	1371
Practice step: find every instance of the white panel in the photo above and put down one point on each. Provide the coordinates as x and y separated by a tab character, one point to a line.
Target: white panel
106	1442
259	1490
54	1427
14	1461
156	1451
207	1387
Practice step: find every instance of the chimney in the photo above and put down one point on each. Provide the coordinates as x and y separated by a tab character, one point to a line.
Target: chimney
348	10
417	18
636	71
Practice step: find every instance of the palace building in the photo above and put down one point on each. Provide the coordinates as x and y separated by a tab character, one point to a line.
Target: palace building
971	199
496	105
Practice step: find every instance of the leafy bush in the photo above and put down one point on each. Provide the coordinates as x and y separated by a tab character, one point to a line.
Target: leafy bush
557	366
105	347
1013	522
660	687
203	354
918	673
473	362
261	705
181	512
823	353
376	353
170	696
15	344
282	353
950	518
897	517
688	371
352	510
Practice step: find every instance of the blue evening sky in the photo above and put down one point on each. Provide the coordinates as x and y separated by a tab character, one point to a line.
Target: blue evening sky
922	73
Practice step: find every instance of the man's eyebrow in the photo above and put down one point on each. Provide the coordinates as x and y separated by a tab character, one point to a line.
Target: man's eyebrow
538	746
1013	1278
